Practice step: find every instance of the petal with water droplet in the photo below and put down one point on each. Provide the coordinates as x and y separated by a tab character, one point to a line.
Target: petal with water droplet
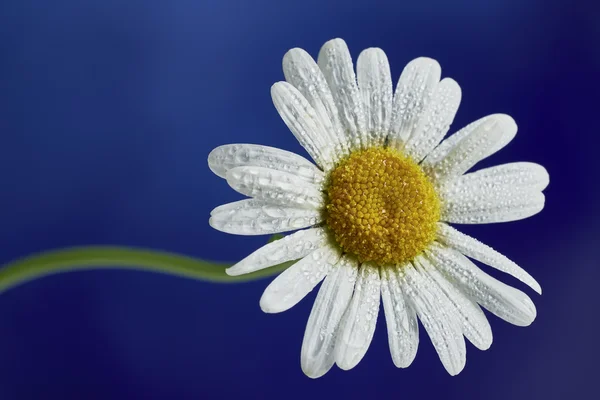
504	301
358	325
303	72
461	151
441	325
435	120
475	325
473	248
255	217
415	90
291	247
224	158
317	355
304	123
275	187
400	319
375	85
336	63
298	280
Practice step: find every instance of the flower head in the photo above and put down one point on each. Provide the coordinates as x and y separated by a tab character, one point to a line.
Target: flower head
376	196
376	208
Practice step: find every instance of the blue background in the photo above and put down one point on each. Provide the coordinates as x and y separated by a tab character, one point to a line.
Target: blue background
108	110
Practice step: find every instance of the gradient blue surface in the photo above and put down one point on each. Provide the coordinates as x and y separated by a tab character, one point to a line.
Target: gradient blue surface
108	110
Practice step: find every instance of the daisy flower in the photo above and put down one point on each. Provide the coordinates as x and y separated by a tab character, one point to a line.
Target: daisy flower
373	214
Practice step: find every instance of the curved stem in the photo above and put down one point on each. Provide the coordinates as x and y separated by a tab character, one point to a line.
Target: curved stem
111	257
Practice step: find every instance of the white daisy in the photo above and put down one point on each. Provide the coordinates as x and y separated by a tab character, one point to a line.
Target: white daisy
377	207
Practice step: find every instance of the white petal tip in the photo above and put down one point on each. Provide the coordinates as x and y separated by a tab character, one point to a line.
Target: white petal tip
528	313
543	178
450	85
217	224
402	363
316	376
345	366
277	88
509	125
212	164
348	361
312	372
335	41
526	323
371	51
533	284
333	46
232	271
265	306
292	53
486	345
425	63
425	60
268	306
454	370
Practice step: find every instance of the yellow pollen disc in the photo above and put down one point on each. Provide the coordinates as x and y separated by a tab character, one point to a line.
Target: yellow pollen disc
381	206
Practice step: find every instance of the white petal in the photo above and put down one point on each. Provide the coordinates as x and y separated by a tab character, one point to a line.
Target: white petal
475	325
335	62
441	325
504	301
375	85
473	248
275	187
303	122
518	174
303	72
318	355
293	284
435	121
291	247
484	205
400	318
230	156
255	217
358	325
478	140
415	90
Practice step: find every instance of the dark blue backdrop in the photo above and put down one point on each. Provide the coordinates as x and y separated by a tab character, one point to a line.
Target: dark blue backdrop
108	110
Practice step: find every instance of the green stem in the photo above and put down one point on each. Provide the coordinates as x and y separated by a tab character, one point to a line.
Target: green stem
110	257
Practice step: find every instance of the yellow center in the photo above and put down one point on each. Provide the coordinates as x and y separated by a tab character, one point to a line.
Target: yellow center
381	206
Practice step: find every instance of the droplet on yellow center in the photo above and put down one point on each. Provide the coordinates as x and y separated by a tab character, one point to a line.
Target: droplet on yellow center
381	206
